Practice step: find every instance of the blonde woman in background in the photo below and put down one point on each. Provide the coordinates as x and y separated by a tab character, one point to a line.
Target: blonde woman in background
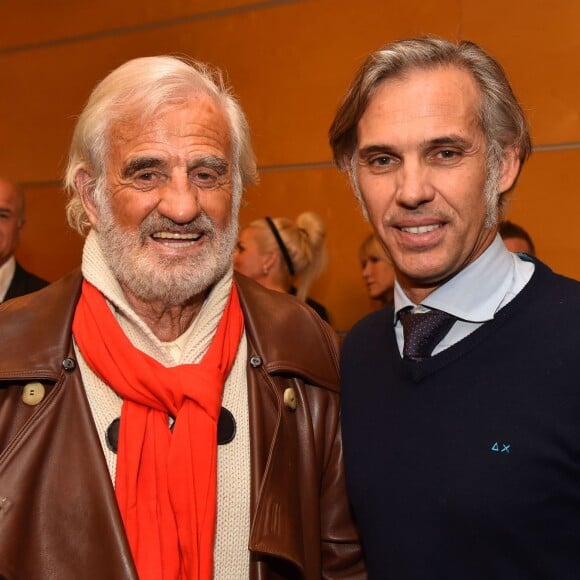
284	255
377	271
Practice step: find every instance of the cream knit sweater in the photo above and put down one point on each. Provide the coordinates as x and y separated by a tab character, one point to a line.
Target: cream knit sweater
231	554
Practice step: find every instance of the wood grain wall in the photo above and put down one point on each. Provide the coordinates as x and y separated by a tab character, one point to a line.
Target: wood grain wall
290	63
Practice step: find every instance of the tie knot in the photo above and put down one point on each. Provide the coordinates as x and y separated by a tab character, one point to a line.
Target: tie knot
422	331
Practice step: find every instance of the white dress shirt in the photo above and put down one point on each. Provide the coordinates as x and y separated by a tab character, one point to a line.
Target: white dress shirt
6	274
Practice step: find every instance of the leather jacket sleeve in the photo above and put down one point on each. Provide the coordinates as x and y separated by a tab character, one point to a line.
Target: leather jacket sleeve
302	517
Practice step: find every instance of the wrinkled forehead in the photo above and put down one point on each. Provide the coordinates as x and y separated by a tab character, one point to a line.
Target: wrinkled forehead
421	107
130	121
449	85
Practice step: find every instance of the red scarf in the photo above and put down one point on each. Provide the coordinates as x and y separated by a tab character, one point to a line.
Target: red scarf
166	481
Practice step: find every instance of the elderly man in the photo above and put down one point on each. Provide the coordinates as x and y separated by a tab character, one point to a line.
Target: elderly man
14	279
465	395
134	371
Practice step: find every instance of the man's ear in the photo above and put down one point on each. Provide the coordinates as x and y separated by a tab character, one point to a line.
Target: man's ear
510	168
85	185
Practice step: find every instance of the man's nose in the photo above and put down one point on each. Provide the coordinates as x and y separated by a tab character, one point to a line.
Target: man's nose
179	200
414	186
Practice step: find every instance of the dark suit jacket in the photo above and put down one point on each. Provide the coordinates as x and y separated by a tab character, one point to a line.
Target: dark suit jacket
23	282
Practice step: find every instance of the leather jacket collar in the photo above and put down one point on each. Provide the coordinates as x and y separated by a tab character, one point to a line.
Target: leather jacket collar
49	316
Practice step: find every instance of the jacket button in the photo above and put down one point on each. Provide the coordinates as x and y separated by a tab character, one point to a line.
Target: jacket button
33	393
256	361
290	399
68	364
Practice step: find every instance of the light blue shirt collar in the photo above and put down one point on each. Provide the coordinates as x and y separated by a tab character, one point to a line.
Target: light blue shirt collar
477	292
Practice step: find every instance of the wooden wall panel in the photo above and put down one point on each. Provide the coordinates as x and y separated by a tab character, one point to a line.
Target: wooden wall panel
290	63
48	247
546	202
292	76
538	44
289	81
40	22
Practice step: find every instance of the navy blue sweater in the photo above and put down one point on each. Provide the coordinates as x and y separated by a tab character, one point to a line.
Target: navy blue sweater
467	466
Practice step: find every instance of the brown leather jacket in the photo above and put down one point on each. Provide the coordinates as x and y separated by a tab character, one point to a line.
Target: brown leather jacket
58	512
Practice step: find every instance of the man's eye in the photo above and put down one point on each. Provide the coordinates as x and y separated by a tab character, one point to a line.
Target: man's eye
205	178
448	154
145	176
146	180
380	161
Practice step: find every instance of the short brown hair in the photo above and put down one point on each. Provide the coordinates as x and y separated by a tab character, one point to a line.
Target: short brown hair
501	116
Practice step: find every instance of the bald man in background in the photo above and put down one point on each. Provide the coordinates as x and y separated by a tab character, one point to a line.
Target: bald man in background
14	280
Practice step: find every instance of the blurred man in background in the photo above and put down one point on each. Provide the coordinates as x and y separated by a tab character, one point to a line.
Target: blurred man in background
14	279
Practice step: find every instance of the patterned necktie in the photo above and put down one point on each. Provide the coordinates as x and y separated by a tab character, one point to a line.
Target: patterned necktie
422	331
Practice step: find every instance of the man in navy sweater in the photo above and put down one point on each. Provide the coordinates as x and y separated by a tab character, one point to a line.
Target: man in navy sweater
462	462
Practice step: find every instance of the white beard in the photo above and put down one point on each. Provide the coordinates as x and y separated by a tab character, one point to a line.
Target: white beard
170	280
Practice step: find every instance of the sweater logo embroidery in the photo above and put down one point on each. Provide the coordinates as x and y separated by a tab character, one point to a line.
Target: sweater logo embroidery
505	447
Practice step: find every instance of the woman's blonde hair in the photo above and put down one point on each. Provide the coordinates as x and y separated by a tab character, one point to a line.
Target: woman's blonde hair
304	245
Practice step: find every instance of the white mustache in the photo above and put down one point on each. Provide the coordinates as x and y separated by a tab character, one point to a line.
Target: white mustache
153	224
